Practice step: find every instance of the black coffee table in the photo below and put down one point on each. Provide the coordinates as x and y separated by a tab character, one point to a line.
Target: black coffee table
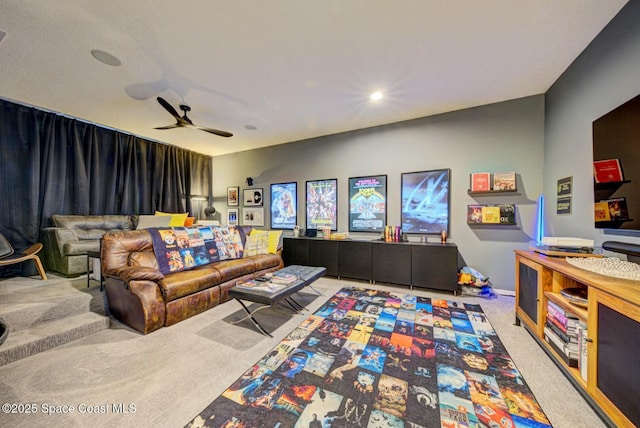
305	276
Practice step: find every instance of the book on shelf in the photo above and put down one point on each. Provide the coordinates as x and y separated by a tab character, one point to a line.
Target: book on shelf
481	182
566	318
562	334
581	330
612	210
491	214
601	211
504	180
556	344
607	171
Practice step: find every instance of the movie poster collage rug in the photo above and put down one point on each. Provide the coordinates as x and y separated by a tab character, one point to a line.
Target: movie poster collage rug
370	358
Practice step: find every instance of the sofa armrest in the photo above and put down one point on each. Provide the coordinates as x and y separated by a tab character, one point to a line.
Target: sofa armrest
133	273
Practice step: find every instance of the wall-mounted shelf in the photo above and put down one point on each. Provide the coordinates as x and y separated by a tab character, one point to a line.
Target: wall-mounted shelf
493	192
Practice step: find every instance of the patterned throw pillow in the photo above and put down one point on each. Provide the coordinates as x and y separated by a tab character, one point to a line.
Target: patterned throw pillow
256	244
272	235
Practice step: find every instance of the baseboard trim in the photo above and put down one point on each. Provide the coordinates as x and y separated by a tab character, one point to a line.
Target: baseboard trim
502	292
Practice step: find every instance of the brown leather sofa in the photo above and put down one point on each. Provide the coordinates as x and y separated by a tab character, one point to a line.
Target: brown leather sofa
140	296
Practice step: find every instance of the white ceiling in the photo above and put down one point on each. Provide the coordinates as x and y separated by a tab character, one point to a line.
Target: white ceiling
294	69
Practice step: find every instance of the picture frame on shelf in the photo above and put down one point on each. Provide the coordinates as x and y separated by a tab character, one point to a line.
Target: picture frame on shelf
321	204
232	216
607	171
284	205
425	206
253	216
368	203
232	196
504	181
480	182
252	197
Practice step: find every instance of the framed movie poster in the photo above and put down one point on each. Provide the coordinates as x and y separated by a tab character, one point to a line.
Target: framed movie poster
232	196
232	216
252	197
425	201
284	205
253	216
367	203
322	204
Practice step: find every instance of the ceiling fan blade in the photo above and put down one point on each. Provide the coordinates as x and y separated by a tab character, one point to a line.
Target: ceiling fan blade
168	107
214	131
175	125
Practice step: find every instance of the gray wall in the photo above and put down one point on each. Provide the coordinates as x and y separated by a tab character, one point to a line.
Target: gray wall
606	75
506	136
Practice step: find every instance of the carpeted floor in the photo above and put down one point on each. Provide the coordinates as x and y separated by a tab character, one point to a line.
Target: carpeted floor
118	377
373	358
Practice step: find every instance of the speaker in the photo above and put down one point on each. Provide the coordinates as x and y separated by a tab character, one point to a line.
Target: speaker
249	181
311	233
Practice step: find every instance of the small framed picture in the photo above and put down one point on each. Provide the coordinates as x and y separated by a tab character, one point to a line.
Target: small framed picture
565	186
253	217
252	197
232	196
232	216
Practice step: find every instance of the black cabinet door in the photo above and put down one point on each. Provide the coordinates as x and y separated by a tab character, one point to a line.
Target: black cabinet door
324	253
391	263
295	251
435	266
354	259
528	291
618	363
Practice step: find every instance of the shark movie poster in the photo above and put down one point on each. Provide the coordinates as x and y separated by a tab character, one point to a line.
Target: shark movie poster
425	202
367	203
322	204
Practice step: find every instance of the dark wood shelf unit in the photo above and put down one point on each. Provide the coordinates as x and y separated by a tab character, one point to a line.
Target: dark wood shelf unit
424	265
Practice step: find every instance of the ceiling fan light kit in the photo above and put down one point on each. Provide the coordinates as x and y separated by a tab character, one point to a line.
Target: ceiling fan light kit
184	121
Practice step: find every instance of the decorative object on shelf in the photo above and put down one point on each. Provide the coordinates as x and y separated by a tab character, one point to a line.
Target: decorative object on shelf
296	231
252	197
609	266
576	295
611	210
326	232
443	236
491	214
425	201
392	233
232	196
480	182
607	171
504	181
284	206
367	203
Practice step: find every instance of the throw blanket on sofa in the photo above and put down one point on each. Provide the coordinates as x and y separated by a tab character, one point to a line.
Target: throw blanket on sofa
184	248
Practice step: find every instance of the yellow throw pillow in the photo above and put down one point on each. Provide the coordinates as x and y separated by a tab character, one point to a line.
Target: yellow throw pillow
177	219
274	238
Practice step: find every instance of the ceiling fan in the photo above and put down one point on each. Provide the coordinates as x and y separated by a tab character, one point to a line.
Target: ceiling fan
184	122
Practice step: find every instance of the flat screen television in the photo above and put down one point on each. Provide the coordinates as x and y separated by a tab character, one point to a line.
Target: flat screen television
616	158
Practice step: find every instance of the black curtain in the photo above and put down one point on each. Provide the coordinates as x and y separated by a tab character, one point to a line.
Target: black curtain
52	164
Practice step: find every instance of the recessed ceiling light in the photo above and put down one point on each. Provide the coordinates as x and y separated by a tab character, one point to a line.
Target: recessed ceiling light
376	96
105	58
250	127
